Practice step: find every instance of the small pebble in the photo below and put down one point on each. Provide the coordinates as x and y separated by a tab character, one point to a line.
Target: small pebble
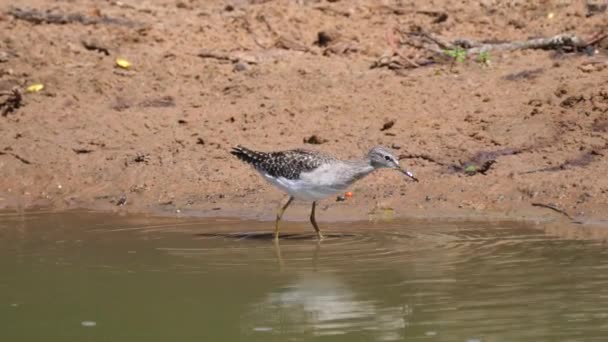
240	66
88	323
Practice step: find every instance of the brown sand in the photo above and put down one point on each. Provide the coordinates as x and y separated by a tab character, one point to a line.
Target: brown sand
157	137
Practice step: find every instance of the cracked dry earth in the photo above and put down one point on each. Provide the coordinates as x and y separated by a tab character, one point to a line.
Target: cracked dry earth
486	139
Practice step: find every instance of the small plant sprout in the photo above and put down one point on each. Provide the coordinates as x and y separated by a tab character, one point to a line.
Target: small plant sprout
470	170
457	54
484	58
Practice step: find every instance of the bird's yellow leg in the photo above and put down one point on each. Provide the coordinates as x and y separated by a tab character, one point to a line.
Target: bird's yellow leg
277	249
314	221
279	215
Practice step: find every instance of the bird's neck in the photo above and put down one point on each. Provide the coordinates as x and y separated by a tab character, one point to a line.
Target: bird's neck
361	168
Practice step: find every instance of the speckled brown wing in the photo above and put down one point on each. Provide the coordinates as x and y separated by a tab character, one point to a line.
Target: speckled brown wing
288	164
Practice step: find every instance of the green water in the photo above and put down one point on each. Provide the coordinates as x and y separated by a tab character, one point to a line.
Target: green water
101	277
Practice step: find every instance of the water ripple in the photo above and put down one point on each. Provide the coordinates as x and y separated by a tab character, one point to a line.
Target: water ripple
452	281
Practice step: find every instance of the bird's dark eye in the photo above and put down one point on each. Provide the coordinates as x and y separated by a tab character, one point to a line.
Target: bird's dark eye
387	158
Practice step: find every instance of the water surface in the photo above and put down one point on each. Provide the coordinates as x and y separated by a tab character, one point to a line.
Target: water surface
98	277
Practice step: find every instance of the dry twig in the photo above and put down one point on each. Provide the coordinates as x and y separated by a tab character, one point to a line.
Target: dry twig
332	11
16	156
230	57
552	207
391	39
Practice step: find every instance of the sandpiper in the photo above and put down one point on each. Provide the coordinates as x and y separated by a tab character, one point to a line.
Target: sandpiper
312	175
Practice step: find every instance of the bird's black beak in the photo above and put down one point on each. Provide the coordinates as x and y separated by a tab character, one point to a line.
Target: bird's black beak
409	174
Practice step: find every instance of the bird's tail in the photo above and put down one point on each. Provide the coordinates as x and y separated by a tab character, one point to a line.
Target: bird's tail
247	155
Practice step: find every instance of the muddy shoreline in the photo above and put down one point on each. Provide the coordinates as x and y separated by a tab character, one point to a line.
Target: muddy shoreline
488	137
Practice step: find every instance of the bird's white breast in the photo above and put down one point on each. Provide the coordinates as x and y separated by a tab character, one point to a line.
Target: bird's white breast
322	182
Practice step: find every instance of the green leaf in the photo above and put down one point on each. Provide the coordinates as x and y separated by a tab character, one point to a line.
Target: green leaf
471	169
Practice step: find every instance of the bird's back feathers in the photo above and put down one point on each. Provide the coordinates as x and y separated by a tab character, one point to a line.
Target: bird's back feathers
288	164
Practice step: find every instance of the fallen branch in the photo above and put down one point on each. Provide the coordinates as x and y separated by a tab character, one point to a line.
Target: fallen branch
55	17
434	47
559	41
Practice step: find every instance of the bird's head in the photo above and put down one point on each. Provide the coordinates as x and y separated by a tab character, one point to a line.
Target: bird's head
381	157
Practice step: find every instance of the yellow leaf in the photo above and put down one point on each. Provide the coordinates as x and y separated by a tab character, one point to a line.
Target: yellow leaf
34	88
123	63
